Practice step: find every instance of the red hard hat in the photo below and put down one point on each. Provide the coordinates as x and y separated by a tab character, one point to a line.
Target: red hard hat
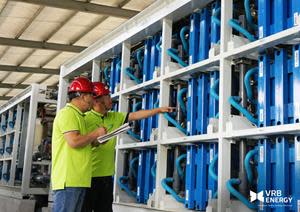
100	89
81	84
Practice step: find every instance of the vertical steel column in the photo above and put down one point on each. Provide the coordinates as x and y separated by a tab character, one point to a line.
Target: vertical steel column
161	165
29	139
62	90
120	159
96	70
16	141
224	166
125	80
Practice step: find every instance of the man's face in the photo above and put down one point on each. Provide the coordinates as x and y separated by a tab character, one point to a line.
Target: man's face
87	100
105	102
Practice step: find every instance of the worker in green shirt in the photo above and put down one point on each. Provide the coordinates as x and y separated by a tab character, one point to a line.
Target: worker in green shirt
100	196
71	149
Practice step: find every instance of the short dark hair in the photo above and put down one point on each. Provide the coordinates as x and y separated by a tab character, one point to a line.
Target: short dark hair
73	95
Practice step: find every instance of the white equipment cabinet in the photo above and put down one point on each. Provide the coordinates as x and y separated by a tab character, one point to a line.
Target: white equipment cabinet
160	16
25	159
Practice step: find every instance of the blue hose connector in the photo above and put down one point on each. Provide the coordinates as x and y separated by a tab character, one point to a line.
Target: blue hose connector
248	169
235	25
237	194
170	190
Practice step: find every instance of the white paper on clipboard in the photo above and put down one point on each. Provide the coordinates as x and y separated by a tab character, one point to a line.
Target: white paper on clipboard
124	128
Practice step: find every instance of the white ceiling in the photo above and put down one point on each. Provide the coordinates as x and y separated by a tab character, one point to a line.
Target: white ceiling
25	21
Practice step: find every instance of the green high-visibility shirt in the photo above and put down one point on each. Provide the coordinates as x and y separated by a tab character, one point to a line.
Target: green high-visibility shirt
71	167
103	156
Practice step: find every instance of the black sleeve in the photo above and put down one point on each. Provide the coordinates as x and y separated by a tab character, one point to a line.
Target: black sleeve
126	119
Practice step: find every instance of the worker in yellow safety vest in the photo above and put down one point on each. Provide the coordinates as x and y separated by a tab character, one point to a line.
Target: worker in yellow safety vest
71	149
100	196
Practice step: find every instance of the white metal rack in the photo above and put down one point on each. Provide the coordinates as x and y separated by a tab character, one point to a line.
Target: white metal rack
20	137
159	17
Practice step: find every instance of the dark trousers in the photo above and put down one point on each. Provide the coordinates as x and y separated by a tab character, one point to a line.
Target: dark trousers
99	197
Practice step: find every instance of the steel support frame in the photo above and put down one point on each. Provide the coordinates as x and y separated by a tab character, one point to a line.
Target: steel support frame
123	35
23	146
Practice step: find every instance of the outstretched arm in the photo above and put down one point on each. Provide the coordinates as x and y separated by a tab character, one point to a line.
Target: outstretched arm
142	114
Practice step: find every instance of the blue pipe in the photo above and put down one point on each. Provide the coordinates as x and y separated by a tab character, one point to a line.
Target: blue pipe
248	84
248	157
213	92
153	170
11	124
237	194
170	190
173	54
211	168
136	106
235	25
6	176
8	150
106	73
215	195
215	18
249	17
125	187
139	59
156	104
178	161
183	31
3	127
131	164
132	134
180	99
158	45
177	125
129	71
232	101
118	66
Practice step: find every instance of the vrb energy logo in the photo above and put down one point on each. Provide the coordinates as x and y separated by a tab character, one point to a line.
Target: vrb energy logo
272	198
